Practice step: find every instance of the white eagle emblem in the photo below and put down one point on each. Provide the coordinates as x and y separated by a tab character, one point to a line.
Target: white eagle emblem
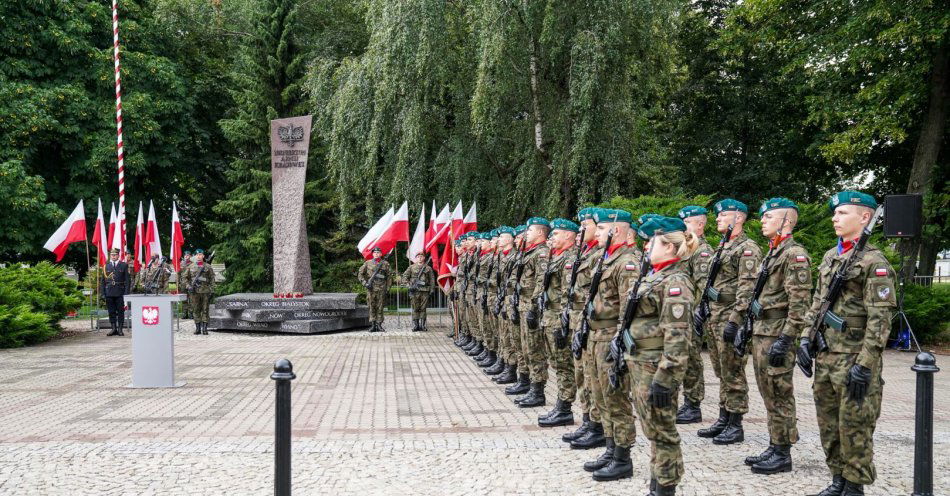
290	134
150	316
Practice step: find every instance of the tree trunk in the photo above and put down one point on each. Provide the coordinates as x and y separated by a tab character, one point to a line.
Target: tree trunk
539	145
925	158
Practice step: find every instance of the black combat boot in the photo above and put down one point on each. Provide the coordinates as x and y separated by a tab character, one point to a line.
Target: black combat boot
490	358
381	328
585	424
498	368
593	438
717	427
520	387
689	413
120	323
509	376
112	329
372	327
415	325
653	485
603	459
204	328
852	489
562	415
665	490
535	396
467	342
761	457
422	325
476	350
197	328
552	411
779	461
483	355
733	432
835	489
619	467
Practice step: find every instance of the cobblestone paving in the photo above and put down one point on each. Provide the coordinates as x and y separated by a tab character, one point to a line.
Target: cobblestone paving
394	413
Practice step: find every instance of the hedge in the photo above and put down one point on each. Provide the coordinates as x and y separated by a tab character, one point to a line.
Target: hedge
32	302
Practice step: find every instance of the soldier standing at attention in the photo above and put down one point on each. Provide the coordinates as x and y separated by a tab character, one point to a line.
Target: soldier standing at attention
554	284
697	267
730	297
485	324
848	380
621	267
503	257
186	306
779	318
116	283
658	346
154	279
375	276
518	378
461	276
420	280
528	287
199	278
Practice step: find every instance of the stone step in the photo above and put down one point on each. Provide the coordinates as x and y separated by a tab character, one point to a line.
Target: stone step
316	301
292	326
262	315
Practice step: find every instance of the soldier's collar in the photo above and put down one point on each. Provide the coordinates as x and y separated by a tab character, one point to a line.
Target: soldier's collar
662	265
534	245
614	248
776	241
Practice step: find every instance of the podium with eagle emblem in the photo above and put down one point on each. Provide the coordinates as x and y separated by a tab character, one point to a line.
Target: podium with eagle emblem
153	340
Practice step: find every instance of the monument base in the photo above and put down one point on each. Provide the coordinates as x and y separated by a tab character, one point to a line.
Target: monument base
311	314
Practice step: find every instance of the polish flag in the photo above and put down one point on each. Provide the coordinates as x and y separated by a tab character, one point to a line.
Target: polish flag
431	229
470	222
418	242
177	239
447	267
153	245
369	240
456	222
442	228
113	239
138	251
72	231
397	230
99	238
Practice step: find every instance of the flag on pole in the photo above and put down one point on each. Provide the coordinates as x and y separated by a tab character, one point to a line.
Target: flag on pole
431	229
138	251
153	245
470	222
457	221
100	238
442	227
447	266
113	222
72	231
177	239
397	230
417	245
366	244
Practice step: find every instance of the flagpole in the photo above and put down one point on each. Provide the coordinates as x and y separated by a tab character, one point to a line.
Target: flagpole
396	256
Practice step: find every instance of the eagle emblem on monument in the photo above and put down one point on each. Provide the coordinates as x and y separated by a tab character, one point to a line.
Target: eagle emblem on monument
290	134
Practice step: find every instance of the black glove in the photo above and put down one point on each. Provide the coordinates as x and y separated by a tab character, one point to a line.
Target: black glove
560	339
729	332
615	353
531	319
803	355
698	322
859	377
566	322
778	350
578	343
660	397
368	286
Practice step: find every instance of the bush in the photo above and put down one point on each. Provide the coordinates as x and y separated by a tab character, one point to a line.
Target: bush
32	302
928	310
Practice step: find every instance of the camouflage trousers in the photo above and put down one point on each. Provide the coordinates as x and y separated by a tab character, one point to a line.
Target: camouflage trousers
582	398
471	315
486	323
375	300
563	363
532	349
590	383
514	345
846	426
186	307
501	326
778	393
694	386
616	411
733	387
659	426
418	302
200	303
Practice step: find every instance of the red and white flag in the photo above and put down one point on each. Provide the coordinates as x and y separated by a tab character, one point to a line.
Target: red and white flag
153	245
397	230
365	245
100	237
417	245
442	229
138	251
72	231
113	224
456	221
470	222
431	229
177	239
447	267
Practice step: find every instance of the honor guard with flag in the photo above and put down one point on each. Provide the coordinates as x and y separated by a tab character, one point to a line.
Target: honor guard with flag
697	267
116	282
199	283
420	279
376	276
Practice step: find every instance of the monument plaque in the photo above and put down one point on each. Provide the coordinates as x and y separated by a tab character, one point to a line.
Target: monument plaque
289	144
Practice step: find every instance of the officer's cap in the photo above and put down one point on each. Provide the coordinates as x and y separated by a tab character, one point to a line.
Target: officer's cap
375	249
114	251
731	205
849	197
774	203
691	211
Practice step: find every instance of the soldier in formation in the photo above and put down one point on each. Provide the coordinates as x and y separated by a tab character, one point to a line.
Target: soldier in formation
154	278
376	276
199	282
186	305
420	280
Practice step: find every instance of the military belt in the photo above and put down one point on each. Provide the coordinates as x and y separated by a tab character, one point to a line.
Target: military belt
774	314
726	298
856	322
647	344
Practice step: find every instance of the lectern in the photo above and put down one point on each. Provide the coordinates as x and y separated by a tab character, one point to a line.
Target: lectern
153	341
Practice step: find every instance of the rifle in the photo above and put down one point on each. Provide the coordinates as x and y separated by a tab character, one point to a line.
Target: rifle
194	282
417	281
744	335
369	282
485	289
825	317
626	341
579	343
516	296
565	314
501	283
709	292
151	284
545	284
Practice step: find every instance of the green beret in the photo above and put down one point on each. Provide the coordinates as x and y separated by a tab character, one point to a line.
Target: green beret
187	253
773	203
487	236
540	221
692	211
661	225
564	225
493	233
506	230
730	205
520	229
851	198
645	217
585	213
612	215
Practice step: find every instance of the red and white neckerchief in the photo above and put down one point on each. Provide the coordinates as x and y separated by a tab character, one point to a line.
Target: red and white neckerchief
590	245
662	265
777	240
612	249
845	245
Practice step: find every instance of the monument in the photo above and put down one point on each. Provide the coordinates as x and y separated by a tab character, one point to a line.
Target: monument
292	307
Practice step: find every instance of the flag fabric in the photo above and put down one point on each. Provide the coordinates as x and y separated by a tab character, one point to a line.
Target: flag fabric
100	238
366	244
442	228
431	229
397	230
447	266
138	251
153	244
113	238
470	222
72	230
417	245
456	221
177	239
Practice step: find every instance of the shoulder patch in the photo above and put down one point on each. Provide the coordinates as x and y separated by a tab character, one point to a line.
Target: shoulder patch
630	267
678	310
880	272
747	253
883	292
704	253
801	258
675	291
569	266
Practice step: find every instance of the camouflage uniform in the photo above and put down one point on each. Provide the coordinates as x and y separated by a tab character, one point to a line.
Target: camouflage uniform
518	357
621	268
501	320
485	321
376	295
661	331
203	288
532	340
560	359
784	302
156	275
461	281
697	268
180	285
867	304
583	369
471	295
424	278
735	284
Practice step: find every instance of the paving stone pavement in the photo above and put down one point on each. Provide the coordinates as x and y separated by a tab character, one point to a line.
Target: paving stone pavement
394	413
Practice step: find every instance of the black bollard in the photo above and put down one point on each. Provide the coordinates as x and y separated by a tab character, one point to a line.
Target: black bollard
283	374
926	366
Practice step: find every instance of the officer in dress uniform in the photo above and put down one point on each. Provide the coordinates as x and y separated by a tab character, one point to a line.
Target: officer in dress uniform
116	283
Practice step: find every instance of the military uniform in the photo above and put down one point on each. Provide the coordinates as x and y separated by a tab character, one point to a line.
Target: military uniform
697	268
186	305
421	281
866	304
116	283
532	340
486	324
154	279
199	280
584	374
377	288
502	324
517	358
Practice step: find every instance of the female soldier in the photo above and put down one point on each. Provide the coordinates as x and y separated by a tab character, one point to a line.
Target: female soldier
657	346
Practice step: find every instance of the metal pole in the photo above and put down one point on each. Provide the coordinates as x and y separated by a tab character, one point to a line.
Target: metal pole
283	374
926	366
